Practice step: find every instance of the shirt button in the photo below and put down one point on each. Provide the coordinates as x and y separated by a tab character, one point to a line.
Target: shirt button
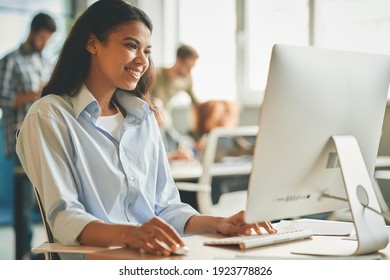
132	178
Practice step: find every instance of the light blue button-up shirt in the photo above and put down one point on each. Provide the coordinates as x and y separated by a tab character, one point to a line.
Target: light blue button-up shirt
84	174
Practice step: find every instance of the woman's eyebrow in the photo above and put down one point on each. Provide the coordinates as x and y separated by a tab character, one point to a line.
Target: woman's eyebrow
135	40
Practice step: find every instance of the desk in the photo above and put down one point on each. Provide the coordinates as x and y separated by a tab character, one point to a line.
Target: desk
192	170
200	252
186	170
382	162
183	170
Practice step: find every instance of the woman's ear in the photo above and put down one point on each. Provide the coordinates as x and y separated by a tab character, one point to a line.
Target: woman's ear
91	44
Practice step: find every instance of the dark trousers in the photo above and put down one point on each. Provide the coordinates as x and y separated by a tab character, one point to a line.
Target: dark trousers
24	203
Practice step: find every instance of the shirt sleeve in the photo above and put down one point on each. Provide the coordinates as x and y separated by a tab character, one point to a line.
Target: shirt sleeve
191	93
168	204
45	151
7	82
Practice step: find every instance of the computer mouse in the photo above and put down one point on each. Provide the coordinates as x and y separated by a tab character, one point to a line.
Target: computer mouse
181	250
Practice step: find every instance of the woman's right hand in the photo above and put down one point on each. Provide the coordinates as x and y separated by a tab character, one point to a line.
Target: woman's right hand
155	237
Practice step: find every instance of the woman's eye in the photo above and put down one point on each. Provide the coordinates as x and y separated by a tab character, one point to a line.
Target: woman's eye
132	46
147	52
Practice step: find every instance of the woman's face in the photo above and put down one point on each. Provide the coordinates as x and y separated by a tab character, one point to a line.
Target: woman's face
124	57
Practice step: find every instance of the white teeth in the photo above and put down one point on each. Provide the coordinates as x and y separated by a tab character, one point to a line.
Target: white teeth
134	72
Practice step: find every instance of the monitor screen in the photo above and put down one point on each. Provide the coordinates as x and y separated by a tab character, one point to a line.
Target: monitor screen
311	95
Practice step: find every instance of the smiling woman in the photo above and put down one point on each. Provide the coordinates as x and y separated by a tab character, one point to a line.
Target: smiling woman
103	25
91	145
119	61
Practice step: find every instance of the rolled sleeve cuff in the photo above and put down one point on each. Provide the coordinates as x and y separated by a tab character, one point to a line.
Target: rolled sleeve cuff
69	225
180	220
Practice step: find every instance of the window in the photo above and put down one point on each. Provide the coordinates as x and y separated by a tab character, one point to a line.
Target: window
209	26
17	16
355	25
266	23
235	37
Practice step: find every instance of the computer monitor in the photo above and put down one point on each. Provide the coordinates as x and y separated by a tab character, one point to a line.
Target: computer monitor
316	104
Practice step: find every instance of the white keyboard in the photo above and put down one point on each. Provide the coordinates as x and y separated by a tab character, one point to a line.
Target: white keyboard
246	242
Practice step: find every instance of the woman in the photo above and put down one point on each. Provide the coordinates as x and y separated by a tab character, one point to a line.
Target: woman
209	115
91	145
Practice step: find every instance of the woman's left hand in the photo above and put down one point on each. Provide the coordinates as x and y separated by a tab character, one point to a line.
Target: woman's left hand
235	225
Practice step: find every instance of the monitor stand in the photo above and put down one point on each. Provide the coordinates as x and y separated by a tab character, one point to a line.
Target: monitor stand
370	226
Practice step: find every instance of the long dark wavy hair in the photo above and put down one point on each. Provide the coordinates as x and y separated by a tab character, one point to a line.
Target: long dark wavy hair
100	19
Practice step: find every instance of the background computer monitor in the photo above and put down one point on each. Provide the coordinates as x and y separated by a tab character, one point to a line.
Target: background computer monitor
311	95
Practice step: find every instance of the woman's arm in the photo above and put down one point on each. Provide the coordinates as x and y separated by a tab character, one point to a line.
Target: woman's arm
155	236
234	225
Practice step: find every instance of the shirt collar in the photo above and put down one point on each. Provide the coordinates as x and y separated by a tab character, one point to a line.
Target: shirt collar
26	49
84	100
134	106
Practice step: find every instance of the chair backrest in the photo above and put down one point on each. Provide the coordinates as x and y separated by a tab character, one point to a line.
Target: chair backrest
227	161
49	234
384	144
382	189
232	158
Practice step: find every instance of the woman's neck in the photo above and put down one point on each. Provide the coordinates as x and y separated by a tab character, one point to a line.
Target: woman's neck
103	95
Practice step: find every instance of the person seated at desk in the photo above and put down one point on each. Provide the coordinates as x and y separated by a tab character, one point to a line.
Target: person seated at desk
176	145
91	145
218	113
222	113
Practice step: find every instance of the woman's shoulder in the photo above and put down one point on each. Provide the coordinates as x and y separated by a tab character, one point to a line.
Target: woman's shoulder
51	105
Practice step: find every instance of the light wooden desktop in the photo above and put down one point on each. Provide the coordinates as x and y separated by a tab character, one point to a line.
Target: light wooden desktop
382	162
198	251
191	170
183	170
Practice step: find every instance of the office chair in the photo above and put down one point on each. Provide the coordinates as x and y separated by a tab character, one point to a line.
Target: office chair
51	249
382	191
223	165
381	182
380	176
49	234
382	170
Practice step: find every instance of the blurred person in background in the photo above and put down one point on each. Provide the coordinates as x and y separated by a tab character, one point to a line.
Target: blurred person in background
211	114
177	146
23	73
170	81
216	114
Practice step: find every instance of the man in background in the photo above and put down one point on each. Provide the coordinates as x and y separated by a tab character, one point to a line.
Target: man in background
170	81
23	73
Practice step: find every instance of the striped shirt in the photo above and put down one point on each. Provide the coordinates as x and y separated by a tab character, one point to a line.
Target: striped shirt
21	71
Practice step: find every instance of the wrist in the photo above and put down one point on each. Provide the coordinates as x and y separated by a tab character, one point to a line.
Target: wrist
127	231
218	224
200	224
